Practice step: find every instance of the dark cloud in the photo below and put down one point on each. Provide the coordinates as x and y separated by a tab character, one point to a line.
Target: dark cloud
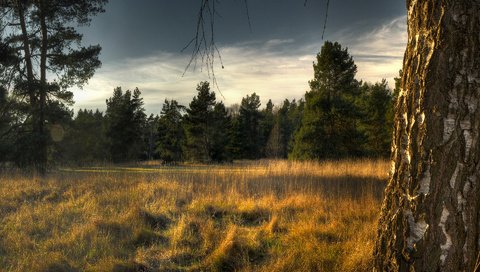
133	28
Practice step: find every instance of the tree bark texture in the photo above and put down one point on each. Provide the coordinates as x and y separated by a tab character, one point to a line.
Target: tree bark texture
430	215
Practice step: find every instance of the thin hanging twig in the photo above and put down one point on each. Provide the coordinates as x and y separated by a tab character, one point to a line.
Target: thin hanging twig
204	48
326	18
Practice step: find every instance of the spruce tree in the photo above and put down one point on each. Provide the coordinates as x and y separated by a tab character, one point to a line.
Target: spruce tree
267	122
249	125
235	135
170	132
221	120
376	104
125	120
206	127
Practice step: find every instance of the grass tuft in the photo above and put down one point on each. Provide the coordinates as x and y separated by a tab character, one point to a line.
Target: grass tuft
230	254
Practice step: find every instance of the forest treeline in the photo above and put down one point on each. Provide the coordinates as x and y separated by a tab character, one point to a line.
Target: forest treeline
338	117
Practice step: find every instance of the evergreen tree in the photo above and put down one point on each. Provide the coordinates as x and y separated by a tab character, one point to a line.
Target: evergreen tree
45	58
278	139
234	146
376	103
286	125
267	122
274	147
198	124
329	126
249	125
287	120
7	125
151	137
206	126
85	141
171	136
220	140
57	119
294	119
125	120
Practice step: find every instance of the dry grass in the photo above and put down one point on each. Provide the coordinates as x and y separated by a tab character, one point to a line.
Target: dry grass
249	216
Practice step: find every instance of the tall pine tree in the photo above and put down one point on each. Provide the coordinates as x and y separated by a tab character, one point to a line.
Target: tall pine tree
329	128
45	59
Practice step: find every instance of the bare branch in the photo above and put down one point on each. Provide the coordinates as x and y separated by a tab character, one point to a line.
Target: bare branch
326	18
248	15
204	48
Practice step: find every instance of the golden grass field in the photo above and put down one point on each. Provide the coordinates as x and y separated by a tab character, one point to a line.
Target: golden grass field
247	216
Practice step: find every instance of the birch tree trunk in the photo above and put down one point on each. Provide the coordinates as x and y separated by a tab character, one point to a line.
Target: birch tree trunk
430	216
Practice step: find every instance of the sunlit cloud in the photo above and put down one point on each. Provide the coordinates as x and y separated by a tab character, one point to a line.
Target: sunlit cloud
379	53
274	69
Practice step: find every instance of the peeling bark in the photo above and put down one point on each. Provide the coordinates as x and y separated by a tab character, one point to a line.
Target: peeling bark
430	217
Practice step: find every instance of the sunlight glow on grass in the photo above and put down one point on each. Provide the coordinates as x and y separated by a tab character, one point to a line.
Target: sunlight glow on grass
268	216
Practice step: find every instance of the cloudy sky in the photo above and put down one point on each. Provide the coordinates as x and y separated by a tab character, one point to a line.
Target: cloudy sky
142	42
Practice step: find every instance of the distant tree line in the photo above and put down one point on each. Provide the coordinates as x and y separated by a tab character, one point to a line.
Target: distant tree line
339	117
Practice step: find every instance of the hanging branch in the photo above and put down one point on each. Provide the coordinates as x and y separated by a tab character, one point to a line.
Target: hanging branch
204	48
203	43
248	15
326	18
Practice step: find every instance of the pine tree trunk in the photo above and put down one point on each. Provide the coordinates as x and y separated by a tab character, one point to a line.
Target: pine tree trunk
37	155
27	53
42	136
430	216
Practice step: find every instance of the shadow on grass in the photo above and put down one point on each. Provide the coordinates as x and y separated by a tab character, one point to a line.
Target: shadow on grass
336	187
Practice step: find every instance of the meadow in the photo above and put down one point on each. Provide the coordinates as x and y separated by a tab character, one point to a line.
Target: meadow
246	216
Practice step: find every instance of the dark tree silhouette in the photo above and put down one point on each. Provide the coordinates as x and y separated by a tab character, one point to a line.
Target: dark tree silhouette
39	38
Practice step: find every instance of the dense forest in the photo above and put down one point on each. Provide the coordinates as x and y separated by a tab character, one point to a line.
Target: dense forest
340	117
